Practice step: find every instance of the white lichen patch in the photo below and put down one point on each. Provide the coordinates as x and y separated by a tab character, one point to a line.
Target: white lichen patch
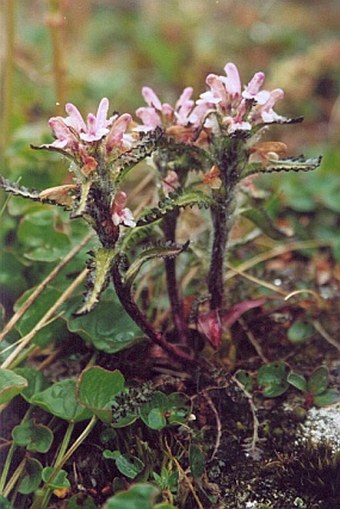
323	424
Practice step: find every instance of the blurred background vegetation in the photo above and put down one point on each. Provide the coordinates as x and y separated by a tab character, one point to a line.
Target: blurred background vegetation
55	51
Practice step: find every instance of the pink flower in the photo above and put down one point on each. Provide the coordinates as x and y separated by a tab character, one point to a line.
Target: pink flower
179	120
120	213
76	137
238	110
170	183
96	126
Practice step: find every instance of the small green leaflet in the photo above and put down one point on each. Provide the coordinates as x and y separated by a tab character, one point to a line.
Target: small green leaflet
167	250
98	278
289	164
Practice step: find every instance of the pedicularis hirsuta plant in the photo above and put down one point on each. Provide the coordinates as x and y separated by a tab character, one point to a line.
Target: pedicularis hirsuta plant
203	153
201	150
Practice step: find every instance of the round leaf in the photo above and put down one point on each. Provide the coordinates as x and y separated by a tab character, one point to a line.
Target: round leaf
4	503
32	477
318	381
58	481
96	389
139	496
129	465
35	437
36	382
108	327
272	378
297	381
60	400
300	331
11	384
329	397
81	501
196	461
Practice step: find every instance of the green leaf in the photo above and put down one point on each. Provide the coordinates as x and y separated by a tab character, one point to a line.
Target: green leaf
96	389
196	461
11	384
273	378
32	477
289	164
35	312
245	379
36	382
98	278
58	481
81	203
60	400
167	250
329	397
4	503
318	381
40	232
123	422
297	381
152	413
164	505
155	419
165	409
109	328
139	496
175	201
300	331
263	221
35	437
129	465
81	501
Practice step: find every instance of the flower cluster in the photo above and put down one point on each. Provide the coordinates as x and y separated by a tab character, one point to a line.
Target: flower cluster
224	105
77	138
222	110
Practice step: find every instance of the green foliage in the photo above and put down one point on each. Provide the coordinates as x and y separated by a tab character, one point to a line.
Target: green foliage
4	503
168	250
127	464
245	379
81	500
96	389
108	327
316	387
31	479
174	202
42	236
98	278
34	437
60	400
139	496
196	461
167	479
36	382
163	410
300	331
272	378
11	385
53	330
55	478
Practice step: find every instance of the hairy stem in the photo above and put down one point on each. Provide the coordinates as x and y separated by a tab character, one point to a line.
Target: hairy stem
139	318
230	159
169	229
219	213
